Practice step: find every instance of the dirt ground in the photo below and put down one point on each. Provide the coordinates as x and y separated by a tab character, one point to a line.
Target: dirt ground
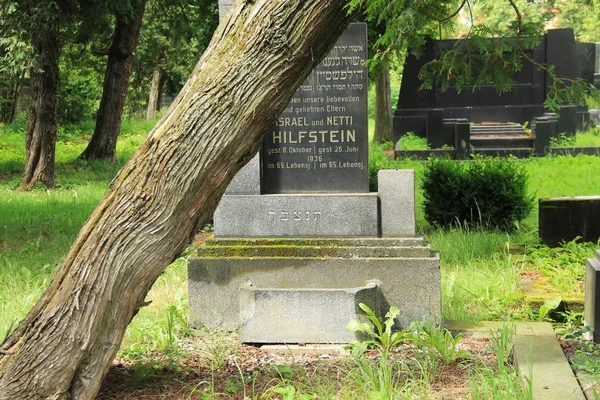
199	374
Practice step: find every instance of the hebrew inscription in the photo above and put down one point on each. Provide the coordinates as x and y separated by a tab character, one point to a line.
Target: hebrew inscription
319	143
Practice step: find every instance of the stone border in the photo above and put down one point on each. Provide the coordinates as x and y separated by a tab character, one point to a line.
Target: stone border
538	356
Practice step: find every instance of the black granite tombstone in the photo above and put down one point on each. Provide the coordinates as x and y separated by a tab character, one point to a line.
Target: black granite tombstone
566	218
521	104
320	142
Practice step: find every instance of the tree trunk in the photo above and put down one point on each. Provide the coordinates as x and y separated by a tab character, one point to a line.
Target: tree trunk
246	77
9	94
383	108
155	92
103	144
42	122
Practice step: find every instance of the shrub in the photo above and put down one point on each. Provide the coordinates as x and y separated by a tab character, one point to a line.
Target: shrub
488	193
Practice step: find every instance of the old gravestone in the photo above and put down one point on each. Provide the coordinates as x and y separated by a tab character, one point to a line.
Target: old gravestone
320	142
316	151
304	247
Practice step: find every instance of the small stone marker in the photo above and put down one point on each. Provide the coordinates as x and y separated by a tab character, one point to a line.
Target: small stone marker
320	142
592	295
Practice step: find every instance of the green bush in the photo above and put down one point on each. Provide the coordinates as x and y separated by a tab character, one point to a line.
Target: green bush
488	193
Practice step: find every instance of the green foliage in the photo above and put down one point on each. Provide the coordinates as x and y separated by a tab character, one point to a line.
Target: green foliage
514	25
441	340
548	306
81	75
503	343
381	333
562	268
174	35
487	193
591	138
410	141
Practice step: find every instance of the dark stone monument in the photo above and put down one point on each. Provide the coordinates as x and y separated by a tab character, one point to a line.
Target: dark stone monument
521	104
543	134
565	218
320	142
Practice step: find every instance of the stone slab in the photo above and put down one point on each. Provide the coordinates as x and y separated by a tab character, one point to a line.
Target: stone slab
486	327
247	180
538	356
319	144
412	284
592	296
334	215
397	196
269	315
541	360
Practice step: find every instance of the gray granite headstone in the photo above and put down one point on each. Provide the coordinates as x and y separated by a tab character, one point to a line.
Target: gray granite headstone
320	142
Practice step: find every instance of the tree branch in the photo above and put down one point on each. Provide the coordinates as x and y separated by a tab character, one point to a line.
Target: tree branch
448	17
514	6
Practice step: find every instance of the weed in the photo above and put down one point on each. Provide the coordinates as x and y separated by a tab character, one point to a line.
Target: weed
382	335
503	342
426	335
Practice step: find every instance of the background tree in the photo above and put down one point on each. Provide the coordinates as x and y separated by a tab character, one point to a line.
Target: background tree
15	59
257	59
380	74
173	36
42	21
582	16
128	22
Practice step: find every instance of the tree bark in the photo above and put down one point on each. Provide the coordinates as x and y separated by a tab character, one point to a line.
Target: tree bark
103	144
42	122
155	92
383	108
258	56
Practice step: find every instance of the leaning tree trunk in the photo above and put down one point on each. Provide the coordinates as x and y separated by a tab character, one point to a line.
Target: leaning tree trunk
42	122
383	107
155	91
103	144
258	56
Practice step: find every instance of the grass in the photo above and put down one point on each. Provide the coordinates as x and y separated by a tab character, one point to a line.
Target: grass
590	138
480	270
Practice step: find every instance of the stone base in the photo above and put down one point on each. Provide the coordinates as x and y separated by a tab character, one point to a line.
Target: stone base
411	283
303	315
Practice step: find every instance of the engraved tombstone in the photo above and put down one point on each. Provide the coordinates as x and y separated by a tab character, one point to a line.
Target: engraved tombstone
320	142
